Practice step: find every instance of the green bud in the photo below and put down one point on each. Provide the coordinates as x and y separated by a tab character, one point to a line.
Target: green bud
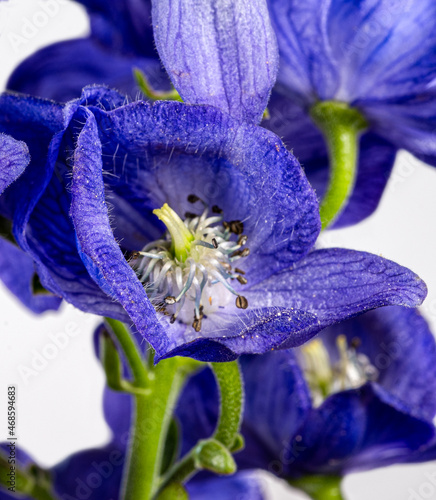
215	457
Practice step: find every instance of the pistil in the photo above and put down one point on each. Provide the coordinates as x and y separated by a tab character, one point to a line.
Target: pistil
193	264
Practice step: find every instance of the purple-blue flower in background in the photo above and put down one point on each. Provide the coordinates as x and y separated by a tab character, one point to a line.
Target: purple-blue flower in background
379	56
17	270
232	274
121	39
361	395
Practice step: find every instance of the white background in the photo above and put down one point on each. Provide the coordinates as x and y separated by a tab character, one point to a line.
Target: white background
59	399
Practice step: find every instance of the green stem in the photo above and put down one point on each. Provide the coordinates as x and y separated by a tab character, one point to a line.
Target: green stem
341	127
131	352
155	390
153	412
319	487
150	93
230	385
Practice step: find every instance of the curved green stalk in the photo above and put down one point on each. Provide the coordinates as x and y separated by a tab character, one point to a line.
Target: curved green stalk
341	127
226	438
319	487
229	378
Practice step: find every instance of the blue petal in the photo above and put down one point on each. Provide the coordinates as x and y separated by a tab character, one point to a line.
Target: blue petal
17	271
197	409
376	157
94	473
222	53
408	123
336	284
385	48
306	67
39	204
106	263
277	401
241	486
60	71
14	158
358	430
122	26
400	345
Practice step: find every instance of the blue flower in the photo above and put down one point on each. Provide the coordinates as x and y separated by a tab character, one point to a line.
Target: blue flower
204	165
17	270
121	39
237	276
377	56
360	396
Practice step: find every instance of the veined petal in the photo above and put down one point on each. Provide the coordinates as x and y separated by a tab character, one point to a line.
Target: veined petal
336	284
307	69
14	158
220	52
384	48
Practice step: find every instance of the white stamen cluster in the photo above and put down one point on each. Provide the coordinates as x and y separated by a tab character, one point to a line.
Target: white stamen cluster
194	283
351	371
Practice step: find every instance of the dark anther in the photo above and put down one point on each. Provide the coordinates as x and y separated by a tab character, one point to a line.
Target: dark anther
240	271
242	280
240	253
172	319
236	226
225	225
216	209
241	302
242	239
190	215
214	243
193	198
170	300
134	255
196	325
355	342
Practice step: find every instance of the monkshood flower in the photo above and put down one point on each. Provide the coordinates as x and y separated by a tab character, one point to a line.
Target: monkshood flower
376	58
17	270
194	226
121	39
362	395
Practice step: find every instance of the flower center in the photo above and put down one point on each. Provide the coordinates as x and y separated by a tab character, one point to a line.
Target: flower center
187	273
324	377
